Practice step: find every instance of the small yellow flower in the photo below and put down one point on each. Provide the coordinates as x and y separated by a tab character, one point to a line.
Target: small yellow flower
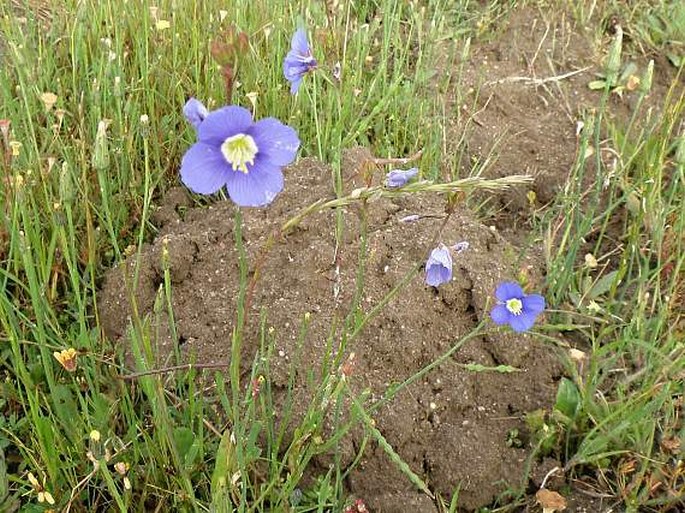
577	355
16	148
632	83
591	261
121	467
162	25
67	358
49	100
43	494
95	435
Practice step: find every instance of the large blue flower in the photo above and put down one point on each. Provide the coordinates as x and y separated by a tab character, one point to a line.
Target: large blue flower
299	60
516	308
439	266
245	156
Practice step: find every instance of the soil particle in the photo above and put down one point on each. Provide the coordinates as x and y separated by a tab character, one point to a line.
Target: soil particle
452	426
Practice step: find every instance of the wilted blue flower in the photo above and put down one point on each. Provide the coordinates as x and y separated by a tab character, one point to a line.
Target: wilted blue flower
195	112
460	247
245	156
299	60
400	177
439	266
410	218
516	308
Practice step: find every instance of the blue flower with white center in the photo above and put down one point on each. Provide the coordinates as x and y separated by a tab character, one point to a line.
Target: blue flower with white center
400	177
516	308
299	60
439	266
243	155
195	112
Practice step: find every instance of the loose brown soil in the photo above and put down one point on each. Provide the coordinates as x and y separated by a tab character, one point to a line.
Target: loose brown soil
523	95
454	426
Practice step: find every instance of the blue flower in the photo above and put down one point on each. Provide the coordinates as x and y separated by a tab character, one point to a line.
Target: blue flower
460	247
439	266
299	60
516	308
243	155
399	177
195	112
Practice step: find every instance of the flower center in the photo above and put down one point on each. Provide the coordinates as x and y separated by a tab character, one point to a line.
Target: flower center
515	306
239	150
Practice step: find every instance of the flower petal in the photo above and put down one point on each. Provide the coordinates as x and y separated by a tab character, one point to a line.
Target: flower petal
521	323
439	266
195	112
436	275
442	255
294	69
223	123
299	42
533	304
400	177
500	315
256	188
275	141
295	85
508	290
204	169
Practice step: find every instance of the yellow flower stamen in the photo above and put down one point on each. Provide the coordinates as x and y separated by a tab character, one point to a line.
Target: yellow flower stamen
515	306
239	150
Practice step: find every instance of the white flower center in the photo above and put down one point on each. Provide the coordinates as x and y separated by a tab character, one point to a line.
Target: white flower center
239	150
515	306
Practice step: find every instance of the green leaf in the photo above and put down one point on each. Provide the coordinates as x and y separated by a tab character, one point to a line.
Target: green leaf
596	85
676	60
603	285
45	430
223	470
630	69
66	410
568	398
4	482
183	438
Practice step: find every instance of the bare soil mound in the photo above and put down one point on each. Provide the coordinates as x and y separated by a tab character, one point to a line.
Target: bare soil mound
453	427
525	92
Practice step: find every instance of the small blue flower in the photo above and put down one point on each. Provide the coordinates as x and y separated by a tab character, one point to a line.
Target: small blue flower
439	266
399	177
243	155
195	112
516	308
460	247
410	218
299	60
